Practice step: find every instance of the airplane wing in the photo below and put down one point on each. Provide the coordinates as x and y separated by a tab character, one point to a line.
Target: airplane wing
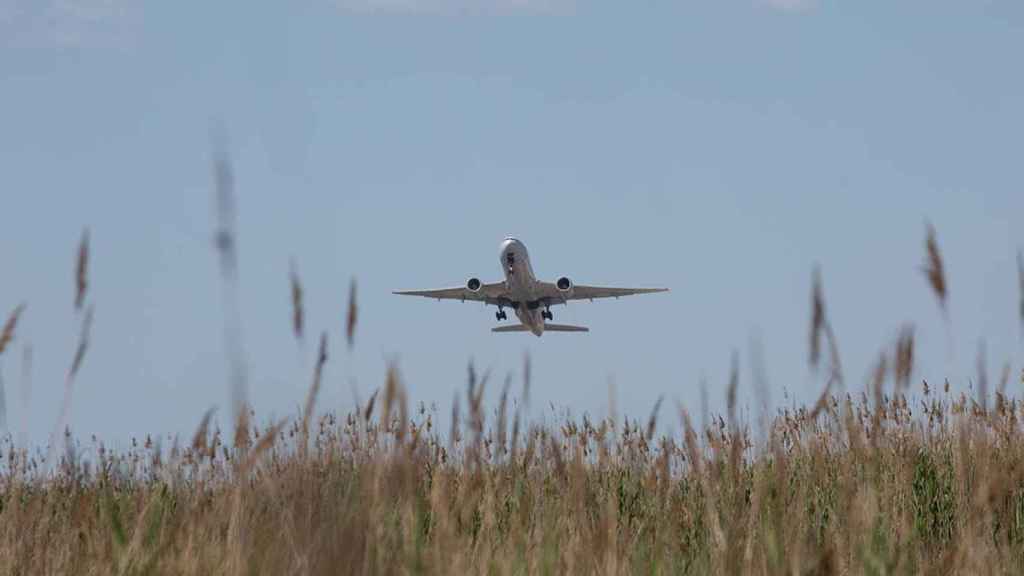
552	295
494	293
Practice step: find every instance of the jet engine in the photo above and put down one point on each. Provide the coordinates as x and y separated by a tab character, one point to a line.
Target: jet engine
564	285
473	285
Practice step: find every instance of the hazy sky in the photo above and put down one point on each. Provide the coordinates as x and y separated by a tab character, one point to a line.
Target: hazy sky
720	148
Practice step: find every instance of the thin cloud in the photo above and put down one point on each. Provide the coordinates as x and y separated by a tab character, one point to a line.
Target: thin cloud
791	5
455	6
68	23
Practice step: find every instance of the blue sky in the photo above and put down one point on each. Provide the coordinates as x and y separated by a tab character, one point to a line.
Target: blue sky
717	148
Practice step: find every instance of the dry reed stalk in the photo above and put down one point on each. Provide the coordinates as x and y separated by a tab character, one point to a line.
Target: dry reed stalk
822	402
817	316
403	412
820	326
704	411
26	390
224	197
982	377
266	442
697	471
502	429
82	270
76	364
369	406
516	423
83	344
353	315
226	245
199	439
453	434
731	391
736	439
239	533
514	442
475	396
835	364
1004	378
390	395
7	333
935	270
314	389
904	358
298	314
652	421
1020	282
877	384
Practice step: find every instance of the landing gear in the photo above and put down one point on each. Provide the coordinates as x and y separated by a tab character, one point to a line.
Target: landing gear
500	315
547	315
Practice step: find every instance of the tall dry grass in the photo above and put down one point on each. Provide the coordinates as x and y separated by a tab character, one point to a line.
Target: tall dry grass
901	478
863	487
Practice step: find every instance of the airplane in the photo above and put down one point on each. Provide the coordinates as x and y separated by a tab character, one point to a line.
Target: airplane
530	298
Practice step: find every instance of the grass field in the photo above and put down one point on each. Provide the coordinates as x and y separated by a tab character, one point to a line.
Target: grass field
851	487
859	483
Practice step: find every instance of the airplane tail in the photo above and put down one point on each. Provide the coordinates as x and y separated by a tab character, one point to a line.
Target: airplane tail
547	328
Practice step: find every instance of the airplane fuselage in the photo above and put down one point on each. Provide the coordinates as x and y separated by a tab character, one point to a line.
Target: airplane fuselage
522	284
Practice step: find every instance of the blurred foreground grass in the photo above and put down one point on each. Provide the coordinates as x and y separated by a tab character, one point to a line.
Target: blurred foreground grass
858	486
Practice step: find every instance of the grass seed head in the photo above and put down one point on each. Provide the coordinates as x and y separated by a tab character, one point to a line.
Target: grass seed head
199	439
353	315
652	421
82	270
7	334
298	314
817	317
224	197
934	268
904	364
369	406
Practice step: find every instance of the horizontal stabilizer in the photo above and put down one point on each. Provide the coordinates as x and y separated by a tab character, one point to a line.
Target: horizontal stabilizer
512	328
547	328
564	328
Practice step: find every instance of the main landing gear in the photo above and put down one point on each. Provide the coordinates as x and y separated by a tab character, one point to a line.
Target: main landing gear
546	314
500	315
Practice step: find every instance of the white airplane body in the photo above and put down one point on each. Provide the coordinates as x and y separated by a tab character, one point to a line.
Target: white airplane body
530	298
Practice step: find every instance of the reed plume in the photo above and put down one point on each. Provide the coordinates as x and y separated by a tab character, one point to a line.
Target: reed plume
352	316
298	314
934	269
7	333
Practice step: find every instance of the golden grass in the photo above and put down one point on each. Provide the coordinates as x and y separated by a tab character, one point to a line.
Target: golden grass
908	481
892	488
